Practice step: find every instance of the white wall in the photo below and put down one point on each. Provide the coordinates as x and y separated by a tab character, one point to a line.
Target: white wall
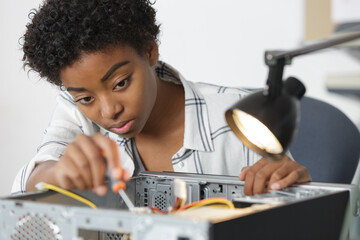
221	42
25	102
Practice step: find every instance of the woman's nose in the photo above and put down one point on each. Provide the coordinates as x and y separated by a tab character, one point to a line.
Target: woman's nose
110	109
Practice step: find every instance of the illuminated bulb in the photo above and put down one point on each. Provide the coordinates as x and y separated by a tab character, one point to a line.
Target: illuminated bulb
256	132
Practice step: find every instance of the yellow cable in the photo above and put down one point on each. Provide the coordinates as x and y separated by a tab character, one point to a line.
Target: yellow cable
214	201
182	202
43	185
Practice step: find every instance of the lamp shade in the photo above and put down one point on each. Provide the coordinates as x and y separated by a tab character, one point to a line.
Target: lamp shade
268	125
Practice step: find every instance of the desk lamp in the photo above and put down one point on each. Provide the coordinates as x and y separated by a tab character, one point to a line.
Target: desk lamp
266	121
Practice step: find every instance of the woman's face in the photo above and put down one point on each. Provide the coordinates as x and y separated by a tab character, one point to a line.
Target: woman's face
116	88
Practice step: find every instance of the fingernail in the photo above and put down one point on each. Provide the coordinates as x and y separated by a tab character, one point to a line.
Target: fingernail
100	190
275	186
116	173
242	176
126	176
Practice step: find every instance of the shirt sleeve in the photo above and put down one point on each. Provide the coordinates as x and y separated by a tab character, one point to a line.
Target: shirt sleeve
66	123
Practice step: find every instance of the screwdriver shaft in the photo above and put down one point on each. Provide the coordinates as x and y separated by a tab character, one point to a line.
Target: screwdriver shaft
126	199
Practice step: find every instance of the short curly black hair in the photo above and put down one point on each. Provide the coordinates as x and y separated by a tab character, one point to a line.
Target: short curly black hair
63	29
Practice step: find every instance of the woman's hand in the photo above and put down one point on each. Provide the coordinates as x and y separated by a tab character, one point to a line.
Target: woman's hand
83	165
277	175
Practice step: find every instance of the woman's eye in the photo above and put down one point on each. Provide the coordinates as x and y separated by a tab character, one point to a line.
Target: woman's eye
85	100
122	84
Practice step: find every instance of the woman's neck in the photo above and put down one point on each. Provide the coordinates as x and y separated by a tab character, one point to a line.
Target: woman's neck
168	114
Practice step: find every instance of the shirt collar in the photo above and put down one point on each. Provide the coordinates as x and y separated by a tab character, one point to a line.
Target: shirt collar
197	134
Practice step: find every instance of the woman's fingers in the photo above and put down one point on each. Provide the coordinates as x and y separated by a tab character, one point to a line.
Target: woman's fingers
290	174
93	160
251	175
111	154
84	163
278	174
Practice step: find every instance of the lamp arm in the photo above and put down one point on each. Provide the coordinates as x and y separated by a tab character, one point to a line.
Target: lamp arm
274	81
276	60
272	57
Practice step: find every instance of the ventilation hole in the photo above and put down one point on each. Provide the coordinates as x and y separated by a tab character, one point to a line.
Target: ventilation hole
36	227
160	201
114	236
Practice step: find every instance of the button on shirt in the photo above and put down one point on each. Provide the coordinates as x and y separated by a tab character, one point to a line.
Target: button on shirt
210	147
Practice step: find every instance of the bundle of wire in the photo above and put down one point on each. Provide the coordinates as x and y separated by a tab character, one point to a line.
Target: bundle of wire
209	202
180	193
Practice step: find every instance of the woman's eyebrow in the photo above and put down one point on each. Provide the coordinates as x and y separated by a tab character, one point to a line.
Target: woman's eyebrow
112	70
75	89
104	78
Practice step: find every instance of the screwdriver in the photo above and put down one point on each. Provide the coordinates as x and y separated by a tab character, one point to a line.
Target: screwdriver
119	188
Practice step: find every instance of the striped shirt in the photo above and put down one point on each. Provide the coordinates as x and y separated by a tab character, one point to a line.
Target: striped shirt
209	146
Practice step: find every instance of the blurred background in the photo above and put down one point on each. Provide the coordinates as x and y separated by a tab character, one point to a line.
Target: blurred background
220	42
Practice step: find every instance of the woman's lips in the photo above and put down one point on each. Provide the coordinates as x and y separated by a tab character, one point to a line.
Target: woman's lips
122	128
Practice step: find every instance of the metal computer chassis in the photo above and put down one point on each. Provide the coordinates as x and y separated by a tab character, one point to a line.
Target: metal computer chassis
307	211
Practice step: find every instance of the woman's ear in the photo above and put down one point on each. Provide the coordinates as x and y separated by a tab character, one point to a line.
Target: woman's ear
152	53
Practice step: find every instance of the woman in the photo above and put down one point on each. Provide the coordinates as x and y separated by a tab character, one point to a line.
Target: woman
121	104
